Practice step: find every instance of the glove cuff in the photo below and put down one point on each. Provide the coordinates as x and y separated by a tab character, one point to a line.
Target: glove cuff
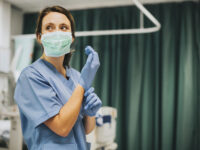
82	83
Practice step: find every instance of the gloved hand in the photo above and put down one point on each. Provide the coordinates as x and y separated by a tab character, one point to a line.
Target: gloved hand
90	68
91	103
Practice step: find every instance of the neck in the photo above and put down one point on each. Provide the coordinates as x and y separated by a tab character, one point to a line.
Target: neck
57	62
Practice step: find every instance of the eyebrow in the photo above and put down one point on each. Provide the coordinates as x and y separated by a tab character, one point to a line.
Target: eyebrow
50	23
65	24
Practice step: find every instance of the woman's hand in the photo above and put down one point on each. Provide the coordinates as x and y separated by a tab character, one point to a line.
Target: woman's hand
90	68
91	103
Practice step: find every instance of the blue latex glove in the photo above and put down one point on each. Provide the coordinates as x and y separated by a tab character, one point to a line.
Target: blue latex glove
91	103
90	68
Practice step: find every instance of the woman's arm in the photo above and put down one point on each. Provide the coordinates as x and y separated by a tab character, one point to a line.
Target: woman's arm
89	124
63	122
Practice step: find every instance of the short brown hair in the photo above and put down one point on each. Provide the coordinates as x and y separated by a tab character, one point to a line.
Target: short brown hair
61	10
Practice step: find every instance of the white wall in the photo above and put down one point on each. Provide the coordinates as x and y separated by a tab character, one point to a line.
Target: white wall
5	13
11	23
16	21
16	25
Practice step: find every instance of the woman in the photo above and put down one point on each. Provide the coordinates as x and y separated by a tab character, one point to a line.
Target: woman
57	103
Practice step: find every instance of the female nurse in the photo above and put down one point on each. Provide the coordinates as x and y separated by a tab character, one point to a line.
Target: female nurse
57	103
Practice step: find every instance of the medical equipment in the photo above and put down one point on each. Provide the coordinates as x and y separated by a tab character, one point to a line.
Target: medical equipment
8	110
4	132
141	30
14	134
103	137
9	115
23	49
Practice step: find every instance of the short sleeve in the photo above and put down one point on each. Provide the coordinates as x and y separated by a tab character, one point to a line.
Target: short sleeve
35	97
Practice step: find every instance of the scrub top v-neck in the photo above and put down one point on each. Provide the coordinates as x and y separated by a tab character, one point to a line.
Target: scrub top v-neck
40	93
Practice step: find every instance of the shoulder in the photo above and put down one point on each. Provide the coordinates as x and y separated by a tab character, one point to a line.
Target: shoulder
26	80
32	69
29	73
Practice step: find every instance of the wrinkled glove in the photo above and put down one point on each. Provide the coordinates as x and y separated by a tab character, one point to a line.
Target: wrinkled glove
90	68
91	103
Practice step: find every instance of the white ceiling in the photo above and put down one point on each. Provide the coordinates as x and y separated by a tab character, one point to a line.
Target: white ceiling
37	5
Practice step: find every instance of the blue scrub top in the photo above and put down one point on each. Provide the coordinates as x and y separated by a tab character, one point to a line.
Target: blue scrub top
40	93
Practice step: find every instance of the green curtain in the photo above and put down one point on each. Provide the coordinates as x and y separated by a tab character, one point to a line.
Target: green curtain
152	79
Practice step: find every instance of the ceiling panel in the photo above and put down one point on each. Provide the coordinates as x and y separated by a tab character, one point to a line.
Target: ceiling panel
37	5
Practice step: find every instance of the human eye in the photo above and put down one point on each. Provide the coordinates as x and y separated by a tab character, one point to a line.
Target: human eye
64	27
49	28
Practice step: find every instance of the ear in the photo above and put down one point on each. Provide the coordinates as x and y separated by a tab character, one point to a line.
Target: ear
38	37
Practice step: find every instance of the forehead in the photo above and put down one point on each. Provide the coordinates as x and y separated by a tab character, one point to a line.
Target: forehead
56	18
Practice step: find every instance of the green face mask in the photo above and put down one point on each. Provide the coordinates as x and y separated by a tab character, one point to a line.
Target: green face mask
56	43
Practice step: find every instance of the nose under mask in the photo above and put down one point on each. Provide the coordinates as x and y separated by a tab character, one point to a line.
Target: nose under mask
56	43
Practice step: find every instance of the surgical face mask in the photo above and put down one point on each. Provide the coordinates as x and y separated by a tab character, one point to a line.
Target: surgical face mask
56	43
